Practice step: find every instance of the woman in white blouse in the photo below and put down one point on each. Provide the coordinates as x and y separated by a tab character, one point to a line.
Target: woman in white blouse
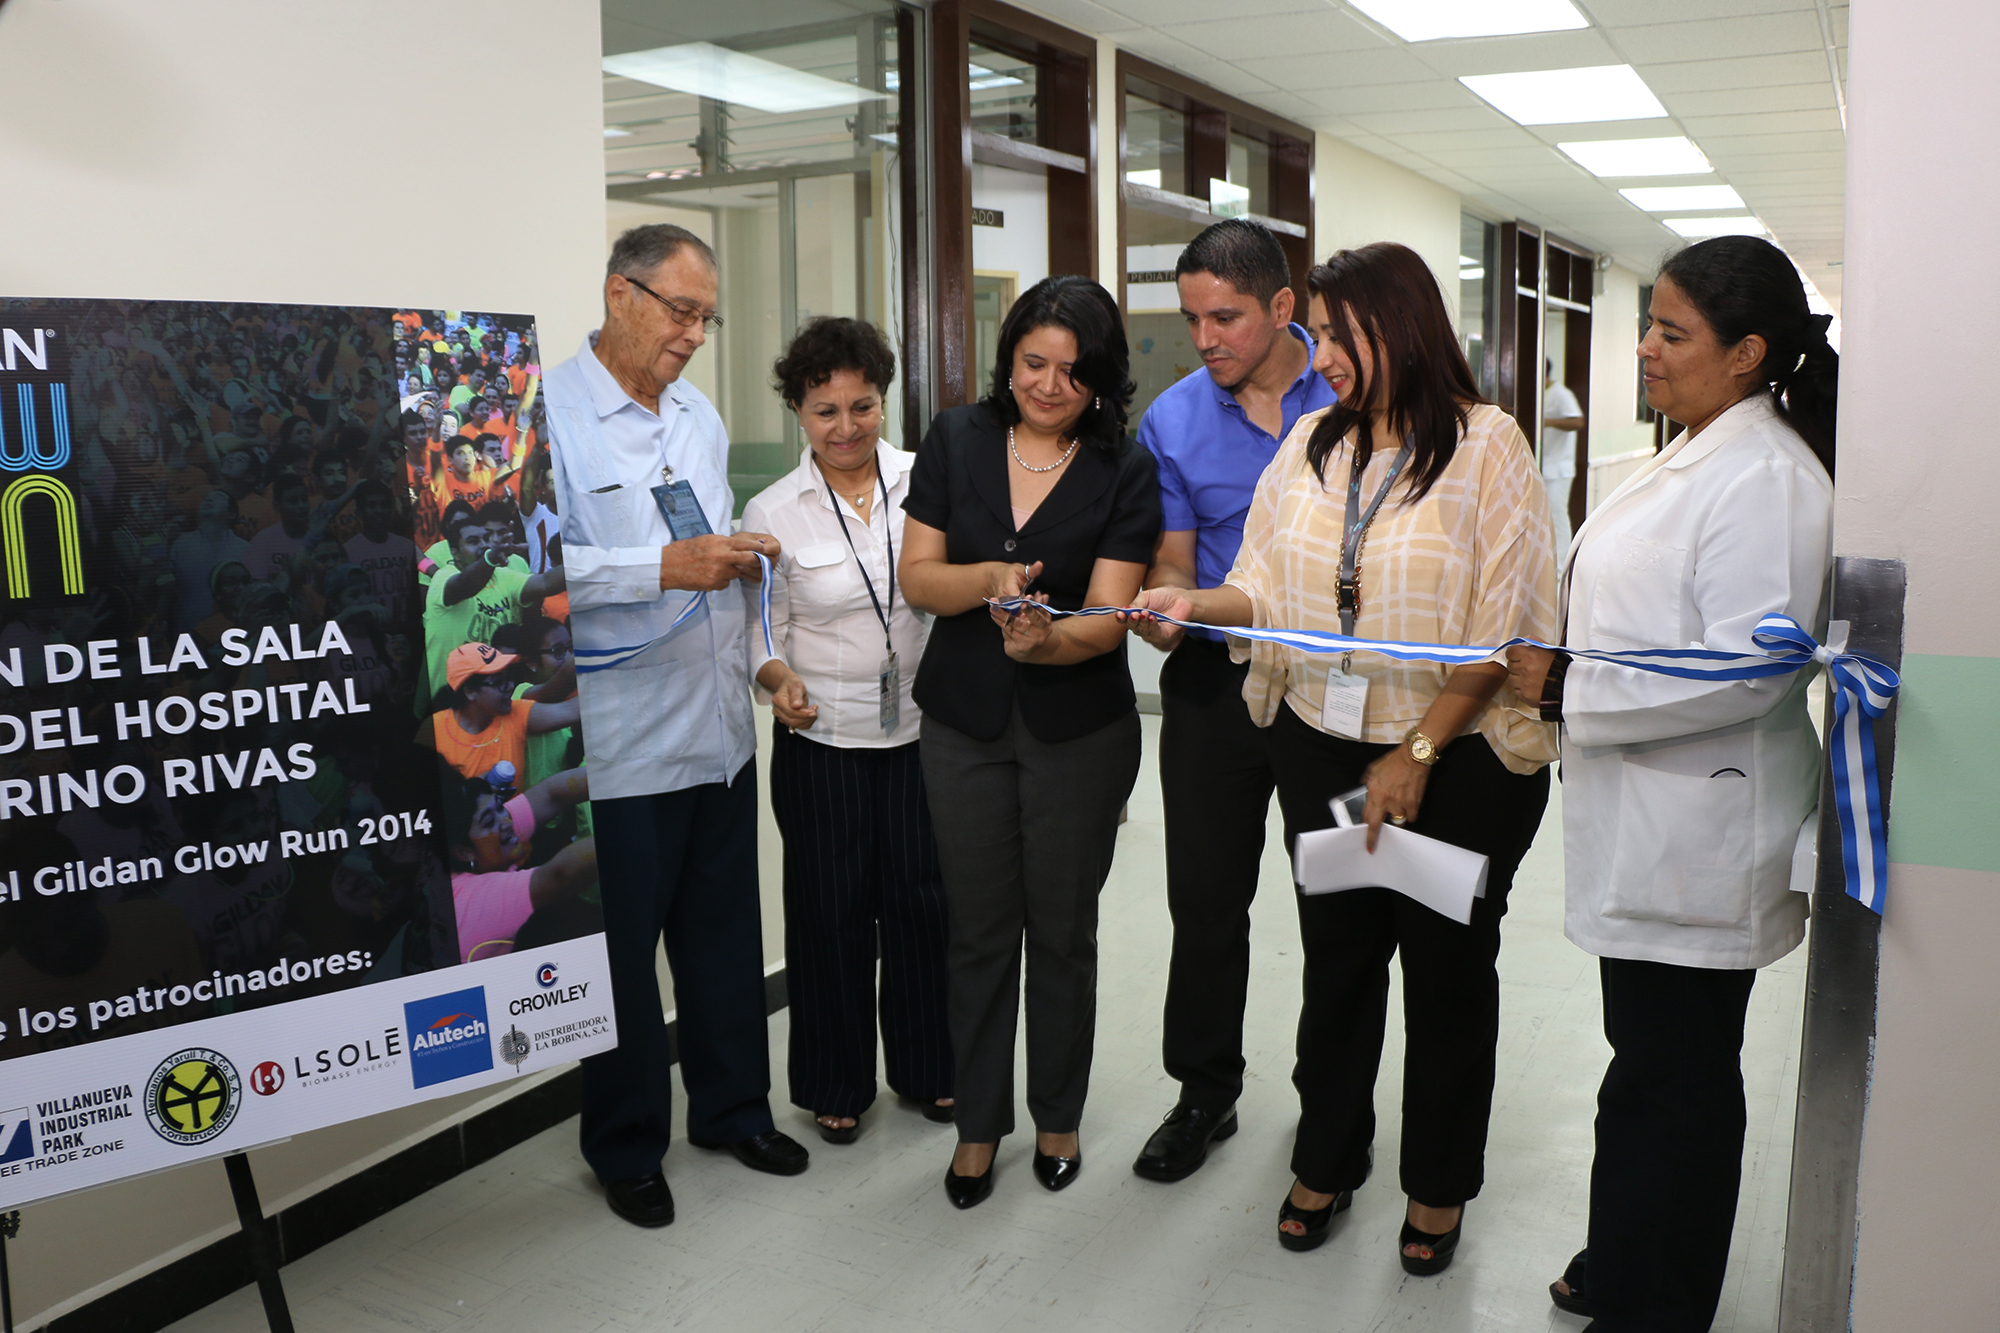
1684	800
847	787
1410	510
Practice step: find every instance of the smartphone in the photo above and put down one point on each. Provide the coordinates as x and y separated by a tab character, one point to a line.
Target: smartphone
1348	807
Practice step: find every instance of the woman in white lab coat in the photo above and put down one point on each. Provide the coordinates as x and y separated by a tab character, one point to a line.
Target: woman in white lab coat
1683	800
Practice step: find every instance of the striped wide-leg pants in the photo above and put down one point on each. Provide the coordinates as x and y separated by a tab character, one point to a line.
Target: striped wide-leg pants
861	883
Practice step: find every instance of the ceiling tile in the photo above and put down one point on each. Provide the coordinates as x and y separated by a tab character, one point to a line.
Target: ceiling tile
1472	159
1155	13
1705	75
1742	35
1733	145
1458	119
1629	13
1084	15
1431	94
1232	79
1814	96
1507	55
1243	38
1763	122
1356	68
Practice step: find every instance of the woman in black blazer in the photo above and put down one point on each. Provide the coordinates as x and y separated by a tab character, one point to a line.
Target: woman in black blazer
1030	738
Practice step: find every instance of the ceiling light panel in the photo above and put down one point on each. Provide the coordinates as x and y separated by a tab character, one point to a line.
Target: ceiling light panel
1701	229
1568	96
1435	20
1673	198
1673	156
707	70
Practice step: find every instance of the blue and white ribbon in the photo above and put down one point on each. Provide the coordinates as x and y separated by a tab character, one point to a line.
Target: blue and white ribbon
607	659
1863	689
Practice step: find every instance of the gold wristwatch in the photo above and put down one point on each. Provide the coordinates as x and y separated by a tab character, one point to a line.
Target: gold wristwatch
1422	748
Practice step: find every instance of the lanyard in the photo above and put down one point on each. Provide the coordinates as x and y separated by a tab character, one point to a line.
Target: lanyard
1349	588
862	565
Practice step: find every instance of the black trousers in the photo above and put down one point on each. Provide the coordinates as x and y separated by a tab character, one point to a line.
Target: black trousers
679	866
861	882
1025	831
1215	785
1670	1119
1451	989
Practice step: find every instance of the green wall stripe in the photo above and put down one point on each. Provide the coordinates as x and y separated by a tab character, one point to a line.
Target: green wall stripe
1945	807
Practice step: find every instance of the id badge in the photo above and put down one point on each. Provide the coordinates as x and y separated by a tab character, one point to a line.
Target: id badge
1346	704
681	510
890	706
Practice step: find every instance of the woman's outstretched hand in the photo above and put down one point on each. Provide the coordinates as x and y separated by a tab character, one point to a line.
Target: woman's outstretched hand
1173	602
1528	671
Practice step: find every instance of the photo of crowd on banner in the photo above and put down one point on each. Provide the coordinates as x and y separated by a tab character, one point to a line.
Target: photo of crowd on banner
315	621
501	706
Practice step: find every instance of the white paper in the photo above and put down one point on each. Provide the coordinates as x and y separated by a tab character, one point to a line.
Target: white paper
1442	877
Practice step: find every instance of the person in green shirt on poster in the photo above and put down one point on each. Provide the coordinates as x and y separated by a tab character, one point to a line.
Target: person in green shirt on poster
478	593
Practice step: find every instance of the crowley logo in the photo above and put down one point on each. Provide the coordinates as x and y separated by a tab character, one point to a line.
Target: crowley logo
550	996
448	1036
545	975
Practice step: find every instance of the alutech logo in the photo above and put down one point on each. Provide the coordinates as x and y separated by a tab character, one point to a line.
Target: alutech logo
448	1036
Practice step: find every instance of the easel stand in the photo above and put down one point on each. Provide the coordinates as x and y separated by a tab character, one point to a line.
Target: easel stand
263	1262
10	1227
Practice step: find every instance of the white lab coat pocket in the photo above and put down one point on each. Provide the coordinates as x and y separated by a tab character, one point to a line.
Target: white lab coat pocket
625	717
611	518
1637	601
1686	846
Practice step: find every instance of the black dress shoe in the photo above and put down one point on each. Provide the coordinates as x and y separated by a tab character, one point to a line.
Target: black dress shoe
1180	1145
1057	1173
772	1151
968	1191
644	1201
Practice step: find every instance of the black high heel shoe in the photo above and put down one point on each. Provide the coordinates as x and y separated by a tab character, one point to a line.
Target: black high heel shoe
838	1133
1318	1222
970	1191
1057	1173
1441	1247
1577	1278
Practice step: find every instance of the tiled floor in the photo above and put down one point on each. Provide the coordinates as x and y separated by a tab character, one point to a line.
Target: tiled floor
866	1241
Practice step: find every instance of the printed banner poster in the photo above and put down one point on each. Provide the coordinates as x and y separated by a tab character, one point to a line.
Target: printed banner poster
294	826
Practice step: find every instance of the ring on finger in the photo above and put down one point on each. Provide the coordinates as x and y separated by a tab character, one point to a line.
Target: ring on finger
1399	819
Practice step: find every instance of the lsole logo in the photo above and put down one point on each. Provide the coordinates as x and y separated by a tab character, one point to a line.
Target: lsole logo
193	1096
17	1136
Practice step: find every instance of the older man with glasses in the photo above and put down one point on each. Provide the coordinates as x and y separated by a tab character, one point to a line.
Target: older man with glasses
641	469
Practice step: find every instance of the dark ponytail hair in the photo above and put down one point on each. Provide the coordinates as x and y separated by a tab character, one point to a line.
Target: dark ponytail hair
1387	293
1744	285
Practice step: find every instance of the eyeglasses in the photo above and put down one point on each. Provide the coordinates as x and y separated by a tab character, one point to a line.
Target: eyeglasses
686	316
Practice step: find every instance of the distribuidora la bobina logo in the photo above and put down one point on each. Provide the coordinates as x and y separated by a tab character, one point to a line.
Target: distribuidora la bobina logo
193	1096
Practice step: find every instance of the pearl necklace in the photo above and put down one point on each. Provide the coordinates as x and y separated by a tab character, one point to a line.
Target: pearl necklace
1023	462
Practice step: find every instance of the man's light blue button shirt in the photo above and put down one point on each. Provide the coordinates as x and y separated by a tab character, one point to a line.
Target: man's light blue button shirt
678	714
1211	454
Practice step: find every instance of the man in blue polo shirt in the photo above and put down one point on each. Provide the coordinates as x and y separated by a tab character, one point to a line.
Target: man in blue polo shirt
1213	434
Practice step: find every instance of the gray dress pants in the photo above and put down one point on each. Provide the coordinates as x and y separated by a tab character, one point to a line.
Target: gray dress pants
1025	833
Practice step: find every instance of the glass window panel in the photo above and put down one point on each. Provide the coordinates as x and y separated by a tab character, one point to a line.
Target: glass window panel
1162	352
802	205
1155	145
1004	89
1478	242
1250	167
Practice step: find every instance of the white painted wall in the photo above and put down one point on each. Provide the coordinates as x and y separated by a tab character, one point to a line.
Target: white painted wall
1361	198
1919	481
1021	247
230	151
1615	427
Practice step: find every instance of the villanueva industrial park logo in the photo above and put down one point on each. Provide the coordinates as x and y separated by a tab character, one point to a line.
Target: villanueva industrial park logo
38	513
